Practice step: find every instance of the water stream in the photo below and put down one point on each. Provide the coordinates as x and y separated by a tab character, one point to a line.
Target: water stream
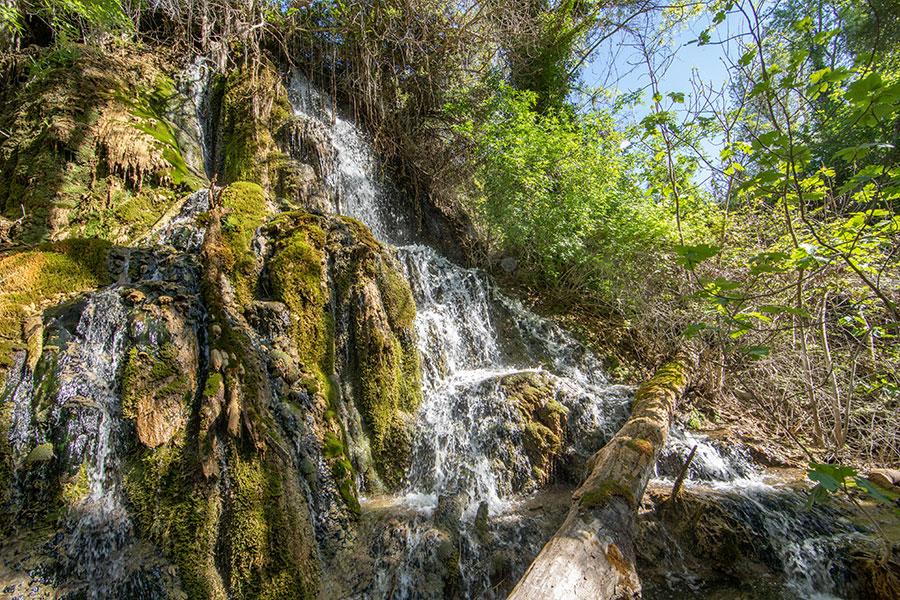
471	337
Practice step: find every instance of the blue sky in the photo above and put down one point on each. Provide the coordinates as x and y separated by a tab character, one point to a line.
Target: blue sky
618	66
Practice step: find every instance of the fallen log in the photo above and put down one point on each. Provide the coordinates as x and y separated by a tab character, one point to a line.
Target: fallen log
592	556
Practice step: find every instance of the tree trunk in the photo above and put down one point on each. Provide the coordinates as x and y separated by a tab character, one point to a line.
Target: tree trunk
592	556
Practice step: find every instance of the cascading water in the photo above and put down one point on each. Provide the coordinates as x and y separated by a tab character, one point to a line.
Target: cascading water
806	545
467	457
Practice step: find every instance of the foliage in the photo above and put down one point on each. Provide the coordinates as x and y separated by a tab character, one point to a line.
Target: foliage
797	288
832	479
559	192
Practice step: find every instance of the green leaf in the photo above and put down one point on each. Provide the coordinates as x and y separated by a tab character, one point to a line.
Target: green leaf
830	477
818	495
691	256
873	490
803	25
817	75
694	329
756	352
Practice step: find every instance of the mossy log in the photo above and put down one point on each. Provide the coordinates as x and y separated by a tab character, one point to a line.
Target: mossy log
592	553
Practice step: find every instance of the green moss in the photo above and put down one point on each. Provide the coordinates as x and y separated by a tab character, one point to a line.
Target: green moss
153	380
541	444
368	289
333	446
76	488
213	385
389	394
387	371
34	277
177	512
297	278
254	107
133	214
543	416
245	205
246	525
341	469
601	494
640	445
40	454
264	556
555	408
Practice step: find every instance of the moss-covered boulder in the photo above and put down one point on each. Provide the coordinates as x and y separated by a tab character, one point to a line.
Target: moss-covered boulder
352	312
543	417
254	107
156	394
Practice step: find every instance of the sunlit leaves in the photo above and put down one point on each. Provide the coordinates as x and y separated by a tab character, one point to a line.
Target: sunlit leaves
831	479
691	256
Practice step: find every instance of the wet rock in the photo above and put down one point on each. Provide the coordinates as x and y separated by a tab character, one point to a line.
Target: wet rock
888	478
136	296
481	523
272	320
543	418
217	360
449	511
711	540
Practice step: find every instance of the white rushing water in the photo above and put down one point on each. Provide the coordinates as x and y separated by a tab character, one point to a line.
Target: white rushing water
470	337
465	355
807	546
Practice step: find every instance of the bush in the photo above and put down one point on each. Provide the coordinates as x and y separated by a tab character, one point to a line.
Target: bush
557	190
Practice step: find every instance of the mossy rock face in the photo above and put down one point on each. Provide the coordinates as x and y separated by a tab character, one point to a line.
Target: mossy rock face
156	393
544	419
245	210
178	512
254	108
268	543
324	268
45	275
90	150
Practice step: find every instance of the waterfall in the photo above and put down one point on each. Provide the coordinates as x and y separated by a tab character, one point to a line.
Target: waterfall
472	338
467	459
